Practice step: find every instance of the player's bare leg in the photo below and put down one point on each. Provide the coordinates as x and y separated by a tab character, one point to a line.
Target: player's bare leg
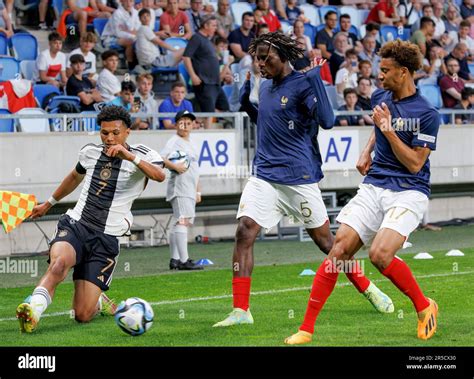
242	267
62	259
382	254
324	239
346	244
86	299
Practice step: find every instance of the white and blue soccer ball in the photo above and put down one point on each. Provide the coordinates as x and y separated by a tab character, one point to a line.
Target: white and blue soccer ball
179	156
134	316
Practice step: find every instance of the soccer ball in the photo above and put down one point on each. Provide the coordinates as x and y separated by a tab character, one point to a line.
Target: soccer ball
134	316
179	157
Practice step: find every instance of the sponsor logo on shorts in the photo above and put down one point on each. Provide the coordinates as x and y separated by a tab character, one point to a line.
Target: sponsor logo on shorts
101	278
62	233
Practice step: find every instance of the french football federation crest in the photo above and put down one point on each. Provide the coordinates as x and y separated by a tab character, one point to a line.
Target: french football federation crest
283	101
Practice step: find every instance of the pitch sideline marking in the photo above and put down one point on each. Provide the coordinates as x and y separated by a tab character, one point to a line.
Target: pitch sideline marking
269	292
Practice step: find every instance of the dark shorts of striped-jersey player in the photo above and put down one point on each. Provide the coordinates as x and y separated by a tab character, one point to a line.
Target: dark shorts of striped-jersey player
96	252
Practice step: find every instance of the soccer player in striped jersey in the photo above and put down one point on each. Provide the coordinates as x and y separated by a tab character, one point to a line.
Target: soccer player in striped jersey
86	238
286	167
393	197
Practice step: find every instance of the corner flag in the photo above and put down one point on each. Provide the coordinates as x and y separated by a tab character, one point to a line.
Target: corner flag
15	207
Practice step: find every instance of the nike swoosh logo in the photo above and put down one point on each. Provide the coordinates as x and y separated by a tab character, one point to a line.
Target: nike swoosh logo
316	301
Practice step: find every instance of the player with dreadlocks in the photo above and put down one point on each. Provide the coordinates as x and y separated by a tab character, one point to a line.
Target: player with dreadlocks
287	166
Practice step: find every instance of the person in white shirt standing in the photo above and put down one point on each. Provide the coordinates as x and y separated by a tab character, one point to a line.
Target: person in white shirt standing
108	84
122	29
183	191
88	42
51	63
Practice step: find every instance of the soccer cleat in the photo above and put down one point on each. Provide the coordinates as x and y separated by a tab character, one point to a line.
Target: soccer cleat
299	338
107	305
427	321
174	264
27	318
381	302
236	317
189	265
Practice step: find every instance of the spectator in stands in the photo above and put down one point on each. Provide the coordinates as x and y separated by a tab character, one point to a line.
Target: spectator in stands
240	38
302	64
460	53
87	44
350	99
262	29
225	20
148	43
195	15
451	85
174	22
467	10
373	29
79	84
174	103
293	12
324	38
365	71
122	30
51	63
6	26
127	101
42	10
108	84
466	103
341	45
345	25
384	13
433	68
461	36
409	12
268	15
148	104
438	13
420	37
155	12
298	32
202	65
364	93
325	70
452	19
225	60
368	53
427	11
82	11
346	76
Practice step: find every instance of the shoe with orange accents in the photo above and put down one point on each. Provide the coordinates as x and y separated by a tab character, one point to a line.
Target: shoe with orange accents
427	321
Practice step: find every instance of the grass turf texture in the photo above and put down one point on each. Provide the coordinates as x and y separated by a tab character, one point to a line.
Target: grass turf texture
347	319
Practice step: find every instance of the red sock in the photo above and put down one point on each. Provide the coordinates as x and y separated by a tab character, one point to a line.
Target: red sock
323	284
400	275
358	279
241	292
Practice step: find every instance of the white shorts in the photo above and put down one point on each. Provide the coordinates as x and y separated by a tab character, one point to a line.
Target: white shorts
375	208
266	203
184	207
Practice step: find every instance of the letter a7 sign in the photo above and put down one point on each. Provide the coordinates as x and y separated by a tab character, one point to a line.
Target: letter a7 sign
339	149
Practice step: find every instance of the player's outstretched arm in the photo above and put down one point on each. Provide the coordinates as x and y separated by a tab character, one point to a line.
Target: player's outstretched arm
324	114
68	185
150	170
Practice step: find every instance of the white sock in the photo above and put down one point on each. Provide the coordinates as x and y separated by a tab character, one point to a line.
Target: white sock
173	243
40	299
181	233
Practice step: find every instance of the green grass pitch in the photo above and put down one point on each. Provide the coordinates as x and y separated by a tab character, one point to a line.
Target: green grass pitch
187	304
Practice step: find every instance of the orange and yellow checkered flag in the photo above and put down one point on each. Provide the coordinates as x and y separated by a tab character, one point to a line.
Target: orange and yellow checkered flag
15	207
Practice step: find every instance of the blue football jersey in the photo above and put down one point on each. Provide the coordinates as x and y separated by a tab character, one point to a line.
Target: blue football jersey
416	123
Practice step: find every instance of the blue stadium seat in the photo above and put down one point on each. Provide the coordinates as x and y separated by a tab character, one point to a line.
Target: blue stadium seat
325	9
177	42
390	33
332	95
318	28
157	25
311	12
310	31
27	69
58	7
55	101
471	68
286	26
352	29
99	25
7	125
4	45
432	93
9	68
24	46
238	9
187	79
228	90
43	90
363	14
33	125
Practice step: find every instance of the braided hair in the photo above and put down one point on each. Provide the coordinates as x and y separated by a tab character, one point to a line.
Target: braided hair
286	47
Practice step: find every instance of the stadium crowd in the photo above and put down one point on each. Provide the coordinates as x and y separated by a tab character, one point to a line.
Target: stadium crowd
155	55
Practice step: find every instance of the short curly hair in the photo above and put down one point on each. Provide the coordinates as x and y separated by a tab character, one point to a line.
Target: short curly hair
404	53
114	113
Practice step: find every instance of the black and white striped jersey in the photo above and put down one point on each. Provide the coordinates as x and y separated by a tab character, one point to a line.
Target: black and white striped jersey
110	187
